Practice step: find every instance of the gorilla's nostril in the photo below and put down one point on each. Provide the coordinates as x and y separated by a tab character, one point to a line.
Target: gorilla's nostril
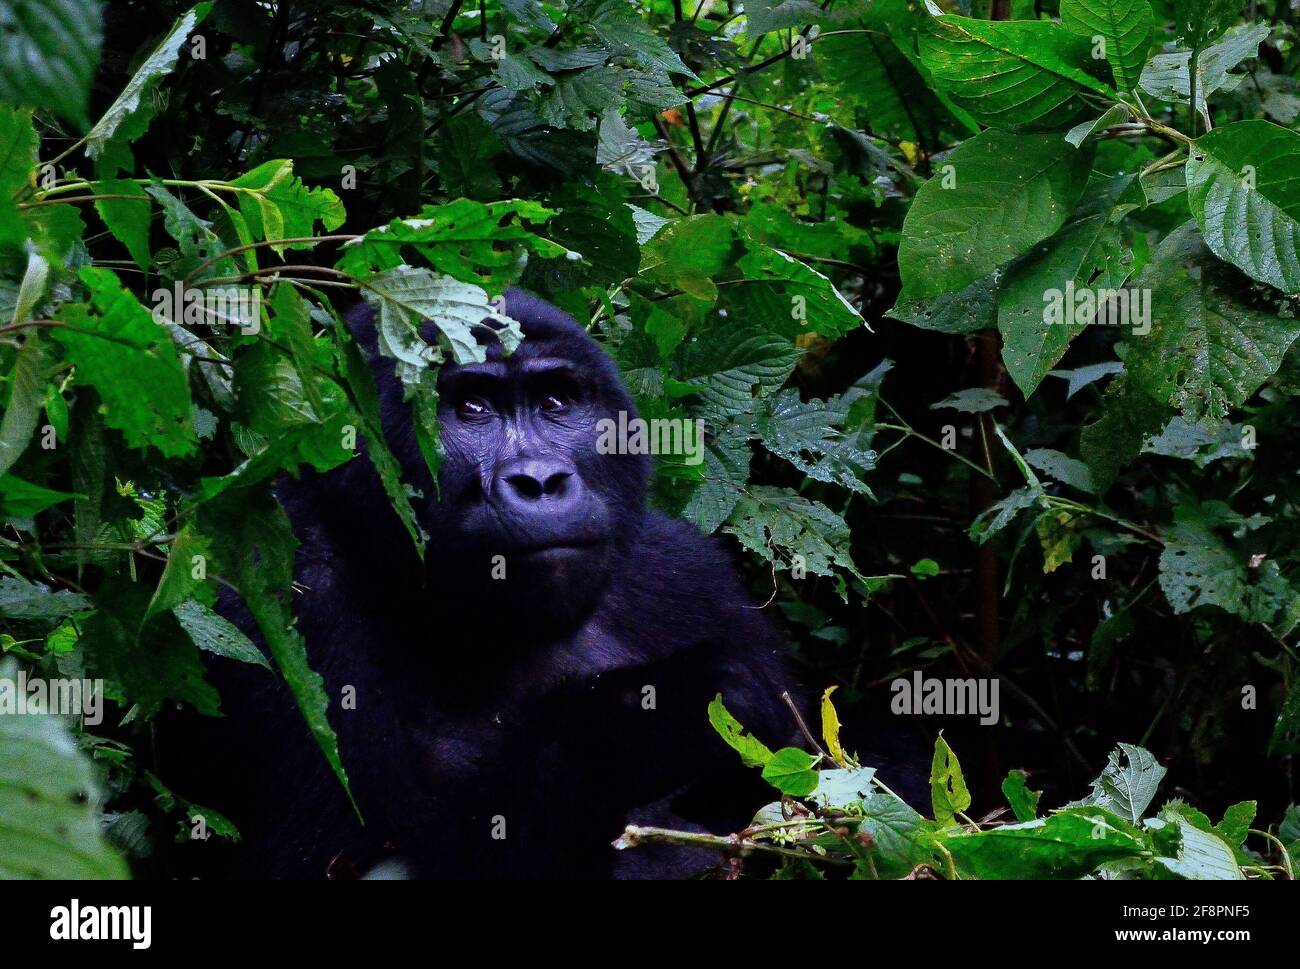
557	483
528	487
525	486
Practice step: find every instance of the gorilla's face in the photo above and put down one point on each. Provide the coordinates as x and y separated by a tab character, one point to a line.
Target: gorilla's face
531	519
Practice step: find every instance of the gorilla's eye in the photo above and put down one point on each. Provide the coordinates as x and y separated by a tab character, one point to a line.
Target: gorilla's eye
471	407
553	403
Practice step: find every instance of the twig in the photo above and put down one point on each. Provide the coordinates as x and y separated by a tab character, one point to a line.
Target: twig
733	845
803	727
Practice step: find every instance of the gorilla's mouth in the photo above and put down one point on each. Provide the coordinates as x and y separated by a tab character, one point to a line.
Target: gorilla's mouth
562	547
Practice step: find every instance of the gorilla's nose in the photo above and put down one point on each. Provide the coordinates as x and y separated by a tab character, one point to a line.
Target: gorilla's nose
534	484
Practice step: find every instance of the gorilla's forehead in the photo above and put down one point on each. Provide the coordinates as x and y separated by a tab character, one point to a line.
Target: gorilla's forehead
518	363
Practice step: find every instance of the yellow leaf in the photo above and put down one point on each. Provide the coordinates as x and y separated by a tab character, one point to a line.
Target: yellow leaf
1060	537
831	727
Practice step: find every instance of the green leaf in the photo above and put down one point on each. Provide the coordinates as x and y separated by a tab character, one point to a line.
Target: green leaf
726	473
1063	468
1004	512
1285	738
50	53
809	436
1214	339
1115	114
49	802
883	76
995	197
597	228
18	143
579	97
1202	855
121	351
1236	822
621	27
1196	567
902	838
1242	189
159	63
21	599
22	411
467	240
1038	310
360	380
791	772
129	221
1023	801
1168	76
22	499
1126	788
465	157
290	326
148	665
1069	844
972	400
765	16
1020	73
1129	416
405	296
948	794
777	286
776	524
515	121
215	634
752	751
689	252
973	308
732	365
277	206
529	13
254	544
1197	21
1125	26
178	580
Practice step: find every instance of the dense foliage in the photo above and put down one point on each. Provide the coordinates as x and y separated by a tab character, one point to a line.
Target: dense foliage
861	240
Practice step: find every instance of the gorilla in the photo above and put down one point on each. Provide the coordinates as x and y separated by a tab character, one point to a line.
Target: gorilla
539	681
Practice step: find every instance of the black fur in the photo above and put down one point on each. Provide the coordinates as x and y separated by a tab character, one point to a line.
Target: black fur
478	698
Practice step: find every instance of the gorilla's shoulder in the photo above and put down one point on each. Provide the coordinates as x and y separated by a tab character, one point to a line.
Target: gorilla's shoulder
686	585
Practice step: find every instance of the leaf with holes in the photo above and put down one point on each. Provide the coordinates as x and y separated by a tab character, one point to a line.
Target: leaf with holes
1197	568
1213	339
49	799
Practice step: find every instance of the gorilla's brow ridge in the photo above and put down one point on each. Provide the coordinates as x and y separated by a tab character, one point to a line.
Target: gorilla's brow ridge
497	369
